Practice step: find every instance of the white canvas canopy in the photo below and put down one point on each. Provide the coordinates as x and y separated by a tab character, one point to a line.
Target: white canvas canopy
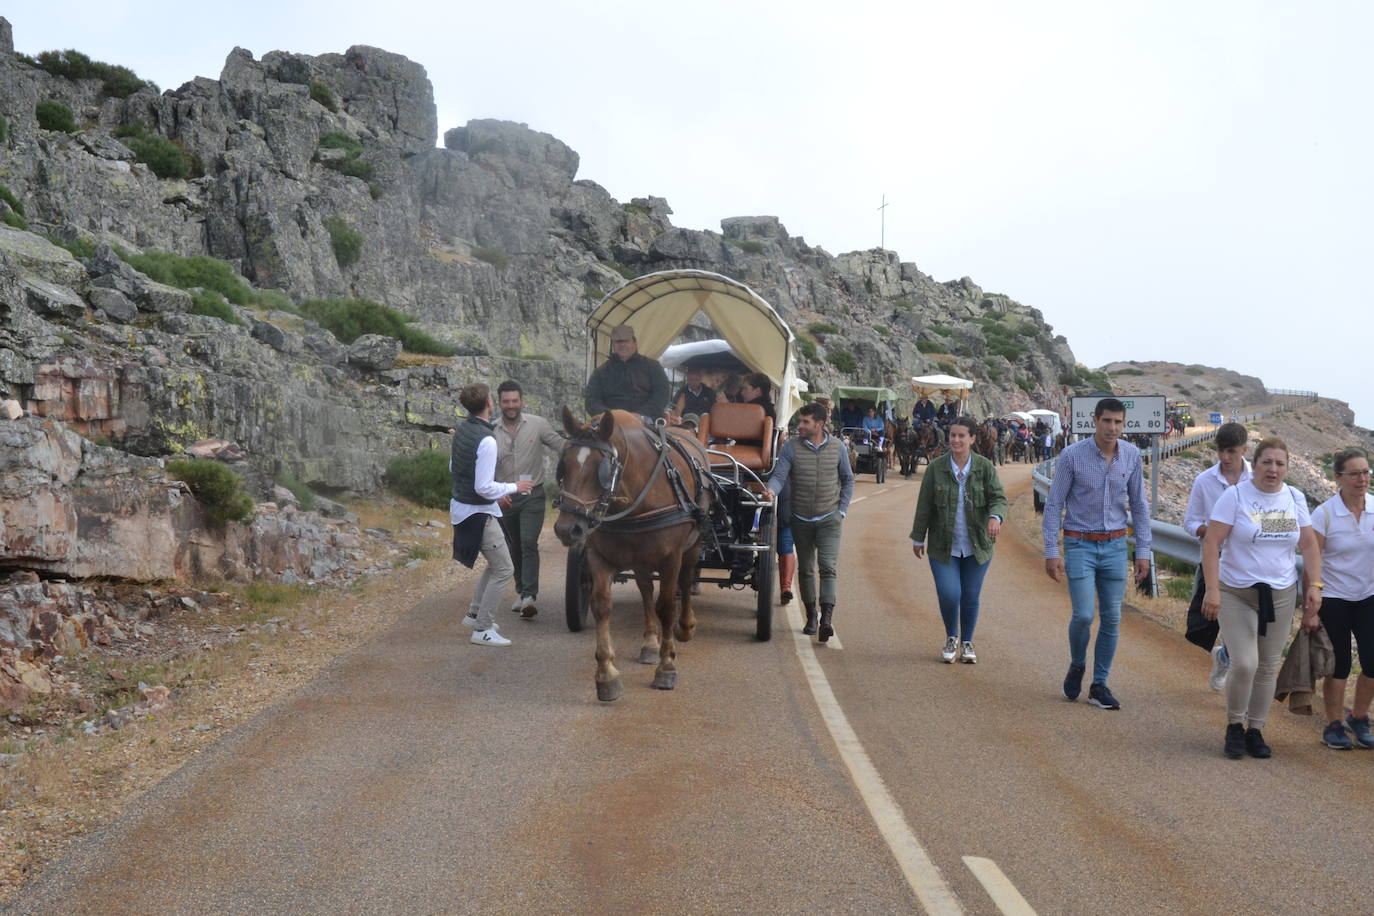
930	384
659	305
1020	415
1051	418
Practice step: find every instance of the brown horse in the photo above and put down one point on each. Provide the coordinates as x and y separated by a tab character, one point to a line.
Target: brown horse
986	442
635	498
928	443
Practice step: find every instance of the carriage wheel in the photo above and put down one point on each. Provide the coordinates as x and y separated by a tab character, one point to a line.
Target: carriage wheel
577	590
765	568
881	471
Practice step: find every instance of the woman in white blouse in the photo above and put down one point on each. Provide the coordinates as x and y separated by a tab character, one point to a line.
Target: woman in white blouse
1344	525
1252	587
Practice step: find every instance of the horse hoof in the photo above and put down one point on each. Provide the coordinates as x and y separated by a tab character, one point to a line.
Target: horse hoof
609	691
665	680
648	656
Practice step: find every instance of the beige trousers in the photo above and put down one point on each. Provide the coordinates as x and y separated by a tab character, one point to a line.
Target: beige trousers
1255	659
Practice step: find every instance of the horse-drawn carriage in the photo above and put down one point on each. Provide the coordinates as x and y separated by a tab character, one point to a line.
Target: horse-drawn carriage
676	505
871	447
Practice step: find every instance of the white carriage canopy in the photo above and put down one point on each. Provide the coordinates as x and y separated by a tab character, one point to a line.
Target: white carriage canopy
659	305
931	384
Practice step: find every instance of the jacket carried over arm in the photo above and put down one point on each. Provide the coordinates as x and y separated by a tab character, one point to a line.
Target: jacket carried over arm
935	507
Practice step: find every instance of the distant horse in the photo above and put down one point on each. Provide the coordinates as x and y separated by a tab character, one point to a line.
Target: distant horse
929	444
985	443
659	485
905	444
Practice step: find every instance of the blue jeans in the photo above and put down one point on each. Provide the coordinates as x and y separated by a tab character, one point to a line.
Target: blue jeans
957	584
1095	568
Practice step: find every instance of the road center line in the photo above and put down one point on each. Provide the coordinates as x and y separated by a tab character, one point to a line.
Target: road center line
920	872
1003	893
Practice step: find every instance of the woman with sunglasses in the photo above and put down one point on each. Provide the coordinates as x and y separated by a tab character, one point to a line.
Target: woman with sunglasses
1344	526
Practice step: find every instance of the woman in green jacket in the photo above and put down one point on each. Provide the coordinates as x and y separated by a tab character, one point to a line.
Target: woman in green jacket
958	516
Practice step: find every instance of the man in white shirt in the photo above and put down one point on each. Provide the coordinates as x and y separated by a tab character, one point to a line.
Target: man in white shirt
1231	468
475	512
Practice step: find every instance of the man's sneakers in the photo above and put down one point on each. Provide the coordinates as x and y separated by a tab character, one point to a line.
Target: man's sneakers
1101	697
527	608
519	603
1221	666
470	619
488	637
967	655
950	651
1073	682
1364	737
1334	737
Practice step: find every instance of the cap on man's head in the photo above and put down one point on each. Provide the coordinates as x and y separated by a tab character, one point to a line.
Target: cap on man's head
623	332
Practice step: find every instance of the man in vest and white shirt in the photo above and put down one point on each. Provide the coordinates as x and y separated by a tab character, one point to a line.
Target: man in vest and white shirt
475	514
814	470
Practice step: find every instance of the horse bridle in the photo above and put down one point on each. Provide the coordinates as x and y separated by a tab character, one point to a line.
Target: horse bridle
608	475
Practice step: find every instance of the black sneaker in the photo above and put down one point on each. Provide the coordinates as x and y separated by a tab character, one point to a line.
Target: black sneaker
1255	746
1235	741
1101	697
1073	682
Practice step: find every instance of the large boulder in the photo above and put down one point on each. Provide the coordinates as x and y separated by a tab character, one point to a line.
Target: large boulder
374	352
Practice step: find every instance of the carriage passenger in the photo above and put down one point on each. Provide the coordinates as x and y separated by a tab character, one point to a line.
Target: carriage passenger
874	425
694	397
754	390
922	411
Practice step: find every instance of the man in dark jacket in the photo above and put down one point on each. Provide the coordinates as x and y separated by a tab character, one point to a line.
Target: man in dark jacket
628	380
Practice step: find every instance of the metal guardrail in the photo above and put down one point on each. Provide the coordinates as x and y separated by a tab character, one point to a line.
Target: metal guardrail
1290	393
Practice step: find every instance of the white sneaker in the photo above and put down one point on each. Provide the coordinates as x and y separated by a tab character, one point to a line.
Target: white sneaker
470	619
950	650
967	655
489	637
519	603
1221	666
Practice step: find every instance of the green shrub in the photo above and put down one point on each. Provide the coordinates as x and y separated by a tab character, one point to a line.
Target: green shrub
639	209
625	270
349	319
4	129
303	494
324	95
353	168
947	366
10	218
218	489
941	329
117	82
807	347
842	360
1025	384
591	293
883	330
1128	372
166	158
1028	330
337	139
210	303
1195	370
821	328
1178	588
53	115
748	245
347	241
903	304
930	346
351	164
423	478
198	270
77	247
492	256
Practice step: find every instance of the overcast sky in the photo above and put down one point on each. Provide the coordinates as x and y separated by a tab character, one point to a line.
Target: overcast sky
1164	180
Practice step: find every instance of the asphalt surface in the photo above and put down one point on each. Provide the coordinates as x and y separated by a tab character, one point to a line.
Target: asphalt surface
422	774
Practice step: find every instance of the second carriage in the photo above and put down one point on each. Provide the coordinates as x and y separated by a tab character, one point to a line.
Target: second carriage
871	444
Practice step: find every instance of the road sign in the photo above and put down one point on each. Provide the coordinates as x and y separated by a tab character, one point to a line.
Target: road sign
1214	419
1144	414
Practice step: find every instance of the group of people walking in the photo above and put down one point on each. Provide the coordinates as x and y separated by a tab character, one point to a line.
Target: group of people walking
1249	520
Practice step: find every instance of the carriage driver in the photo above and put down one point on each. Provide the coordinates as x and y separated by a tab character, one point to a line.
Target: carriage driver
628	380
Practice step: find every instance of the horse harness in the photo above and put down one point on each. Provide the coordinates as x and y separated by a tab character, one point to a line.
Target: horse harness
608	474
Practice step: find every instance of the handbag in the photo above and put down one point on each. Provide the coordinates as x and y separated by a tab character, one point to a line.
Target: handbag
1200	631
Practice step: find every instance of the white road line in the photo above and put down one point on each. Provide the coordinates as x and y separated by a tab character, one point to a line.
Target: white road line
920	872
857	499
1006	897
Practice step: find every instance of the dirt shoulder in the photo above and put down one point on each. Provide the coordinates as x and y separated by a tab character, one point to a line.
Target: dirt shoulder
236	653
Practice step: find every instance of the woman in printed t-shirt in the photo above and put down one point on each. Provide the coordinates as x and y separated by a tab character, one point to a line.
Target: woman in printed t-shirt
1252	587
1344	525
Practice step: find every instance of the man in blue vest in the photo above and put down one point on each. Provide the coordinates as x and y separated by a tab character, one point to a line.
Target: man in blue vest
475	512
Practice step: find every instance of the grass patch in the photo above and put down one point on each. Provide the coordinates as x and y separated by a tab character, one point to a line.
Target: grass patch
1194	370
1178	588
1175	566
216	487
77	247
352	164
14	203
639	209
117	82
930	346
1128	372
807	347
625	270
842	360
903	305
947	366
748	245
349	319
10	218
303	494
423	478
1025	384
324	95
166	158
882	330
4	129
211	304
346	241
53	115
492	256
591	293
198	270
821	328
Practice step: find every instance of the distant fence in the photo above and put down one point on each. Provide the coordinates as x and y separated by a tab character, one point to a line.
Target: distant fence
1290	393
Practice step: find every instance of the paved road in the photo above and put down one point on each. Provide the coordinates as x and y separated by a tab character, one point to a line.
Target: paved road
422	774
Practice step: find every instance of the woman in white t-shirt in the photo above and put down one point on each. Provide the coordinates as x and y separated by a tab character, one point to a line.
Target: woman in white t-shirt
1252	587
1344	525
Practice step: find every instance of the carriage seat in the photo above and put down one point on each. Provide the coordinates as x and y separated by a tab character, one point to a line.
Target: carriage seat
748	426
